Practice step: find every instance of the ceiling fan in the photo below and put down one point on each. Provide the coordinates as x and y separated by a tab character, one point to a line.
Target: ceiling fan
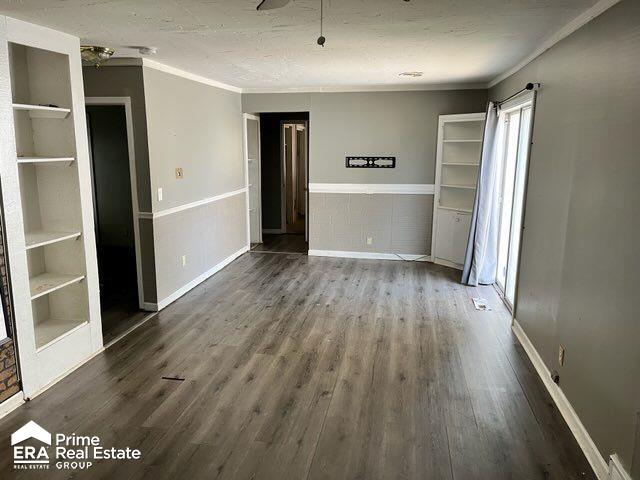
272	4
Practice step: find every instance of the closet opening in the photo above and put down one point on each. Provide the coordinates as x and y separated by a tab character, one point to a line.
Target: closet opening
514	139
110	131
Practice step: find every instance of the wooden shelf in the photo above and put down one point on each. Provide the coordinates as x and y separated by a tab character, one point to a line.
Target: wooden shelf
52	330
45	159
461	164
456	209
46	283
463	141
42	111
466	187
42	238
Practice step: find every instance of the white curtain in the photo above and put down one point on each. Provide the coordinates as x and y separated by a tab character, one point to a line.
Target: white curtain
482	247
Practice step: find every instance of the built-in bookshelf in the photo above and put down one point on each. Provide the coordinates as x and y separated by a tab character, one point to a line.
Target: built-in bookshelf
51	242
457	164
49	191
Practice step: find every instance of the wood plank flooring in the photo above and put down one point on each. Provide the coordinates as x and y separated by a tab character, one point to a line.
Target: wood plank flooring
301	367
282	243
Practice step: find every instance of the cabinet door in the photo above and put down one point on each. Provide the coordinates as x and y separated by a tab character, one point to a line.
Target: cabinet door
460	237
445	232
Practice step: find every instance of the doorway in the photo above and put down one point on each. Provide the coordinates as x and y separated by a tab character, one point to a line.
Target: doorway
515	126
110	131
282	148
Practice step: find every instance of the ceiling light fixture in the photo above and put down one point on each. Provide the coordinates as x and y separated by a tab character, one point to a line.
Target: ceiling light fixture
410	74
96	55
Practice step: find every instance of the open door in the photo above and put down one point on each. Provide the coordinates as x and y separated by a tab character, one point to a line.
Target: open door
253	176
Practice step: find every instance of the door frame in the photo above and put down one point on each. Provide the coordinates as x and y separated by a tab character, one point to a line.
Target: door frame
126	102
256	117
519	103
283	177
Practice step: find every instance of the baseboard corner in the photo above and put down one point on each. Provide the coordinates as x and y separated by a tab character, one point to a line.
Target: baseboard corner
586	443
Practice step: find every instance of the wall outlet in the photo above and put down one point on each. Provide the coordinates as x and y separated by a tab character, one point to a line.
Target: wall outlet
159	194
369	240
179	173
561	355
184	260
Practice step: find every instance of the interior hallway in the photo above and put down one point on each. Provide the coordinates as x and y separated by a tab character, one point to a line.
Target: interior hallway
282	243
306	367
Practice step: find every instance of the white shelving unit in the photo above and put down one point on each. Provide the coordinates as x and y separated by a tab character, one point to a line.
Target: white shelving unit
49	217
457	161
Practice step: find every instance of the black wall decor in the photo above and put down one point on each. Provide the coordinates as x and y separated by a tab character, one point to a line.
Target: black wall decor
370	162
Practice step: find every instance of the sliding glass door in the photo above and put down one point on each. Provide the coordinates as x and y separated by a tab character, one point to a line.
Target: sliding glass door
513	152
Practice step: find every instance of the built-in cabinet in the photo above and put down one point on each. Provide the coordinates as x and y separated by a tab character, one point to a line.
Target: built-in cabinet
46	190
457	162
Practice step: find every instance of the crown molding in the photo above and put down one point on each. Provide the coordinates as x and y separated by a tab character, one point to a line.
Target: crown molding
575	24
190	76
369	88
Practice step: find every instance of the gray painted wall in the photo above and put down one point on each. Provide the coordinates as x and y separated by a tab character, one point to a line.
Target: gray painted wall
206	234
401	124
128	82
580	263
199	128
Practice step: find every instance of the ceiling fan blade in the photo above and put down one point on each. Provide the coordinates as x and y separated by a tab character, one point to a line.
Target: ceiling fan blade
271	4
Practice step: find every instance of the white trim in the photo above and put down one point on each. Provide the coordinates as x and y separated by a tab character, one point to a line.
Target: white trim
392	188
133	179
63	375
150	307
187	206
575	24
189	76
368	88
616	470
568	413
11	403
370	255
247	161
201	278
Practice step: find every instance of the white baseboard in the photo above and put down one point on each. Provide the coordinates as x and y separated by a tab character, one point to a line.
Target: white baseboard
198	280
616	470
579	431
11	403
150	307
370	255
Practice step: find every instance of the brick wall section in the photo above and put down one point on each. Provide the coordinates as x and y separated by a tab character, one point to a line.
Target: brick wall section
9	376
9	384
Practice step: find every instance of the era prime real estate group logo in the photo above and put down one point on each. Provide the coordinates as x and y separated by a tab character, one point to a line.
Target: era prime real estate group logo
36	449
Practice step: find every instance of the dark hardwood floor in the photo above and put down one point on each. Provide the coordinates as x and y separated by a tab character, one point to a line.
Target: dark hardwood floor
282	243
300	367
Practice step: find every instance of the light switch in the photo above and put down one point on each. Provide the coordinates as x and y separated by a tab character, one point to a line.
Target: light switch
159	194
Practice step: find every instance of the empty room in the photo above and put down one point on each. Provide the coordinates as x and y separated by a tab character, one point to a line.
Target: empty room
319	239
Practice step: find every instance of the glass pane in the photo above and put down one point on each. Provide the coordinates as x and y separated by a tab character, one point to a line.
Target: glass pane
506	195
518	200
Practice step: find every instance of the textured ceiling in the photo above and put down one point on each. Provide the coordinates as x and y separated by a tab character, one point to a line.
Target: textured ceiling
368	42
